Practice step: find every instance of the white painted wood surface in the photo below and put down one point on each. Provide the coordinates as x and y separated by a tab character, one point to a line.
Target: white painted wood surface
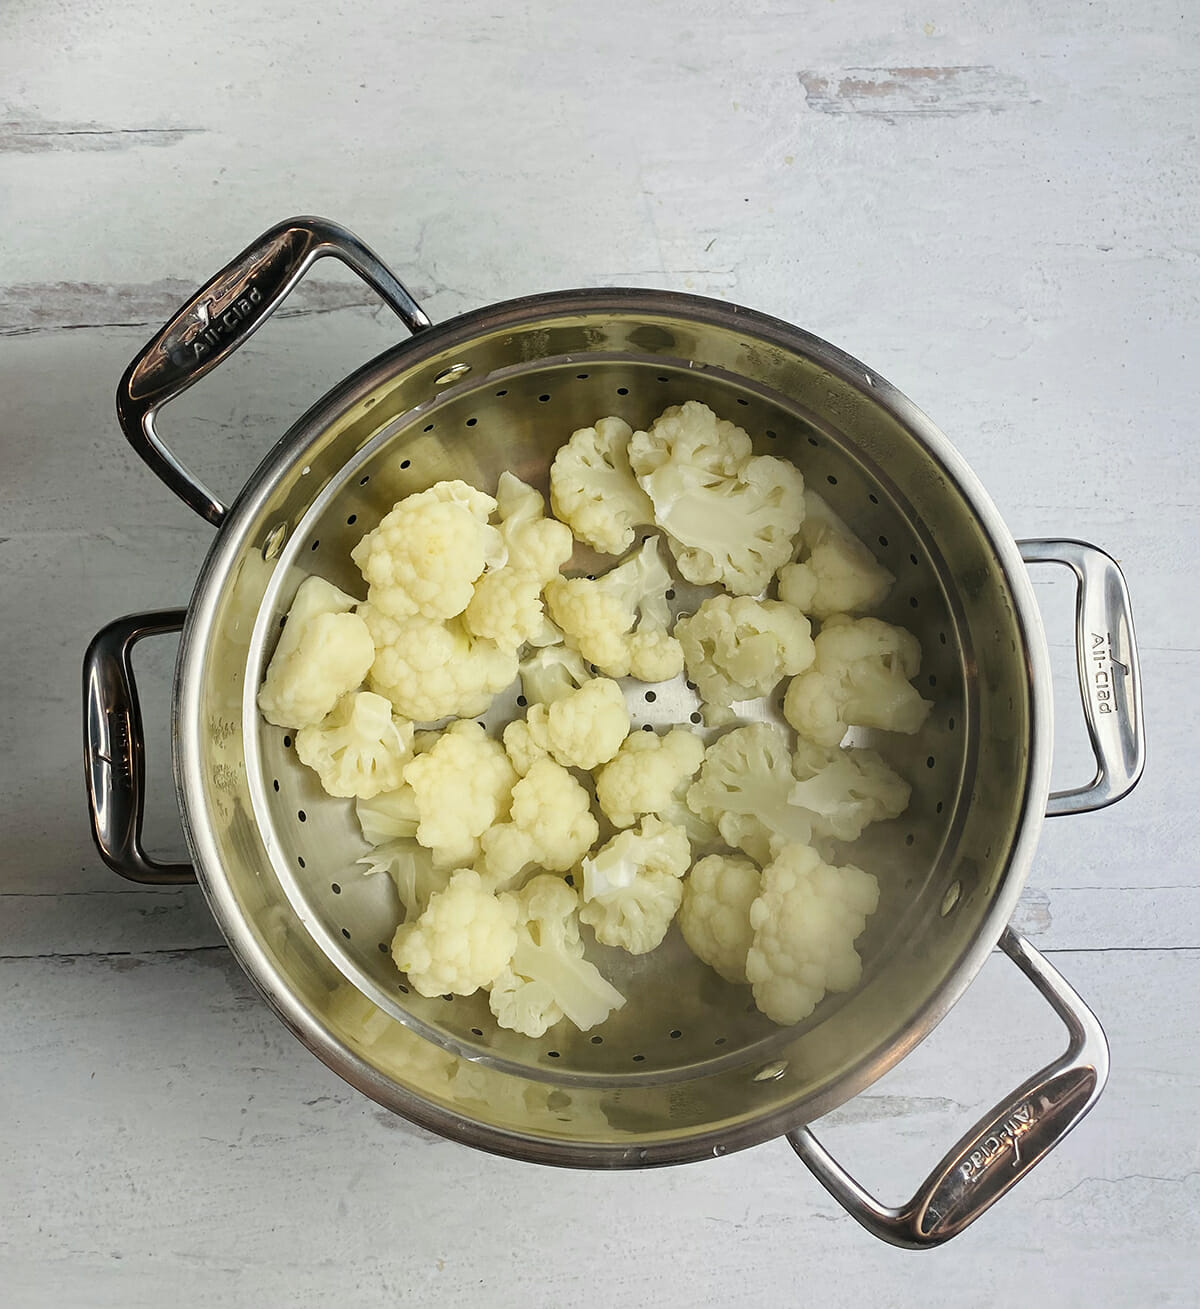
994	206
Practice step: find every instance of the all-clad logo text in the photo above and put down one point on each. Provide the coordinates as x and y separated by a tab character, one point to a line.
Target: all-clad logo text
214	332
1104	665
1006	1137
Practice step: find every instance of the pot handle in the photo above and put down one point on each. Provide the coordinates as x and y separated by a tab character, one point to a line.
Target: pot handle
1003	1146
221	316
1109	680
114	752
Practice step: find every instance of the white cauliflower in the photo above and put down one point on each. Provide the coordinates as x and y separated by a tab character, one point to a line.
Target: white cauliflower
715	915
845	790
548	977
552	672
836	573
593	490
411	868
463	940
739	648
806	919
860	678
461	787
431	670
323	652
621	621
632	886
550	826
581	729
761	796
506	606
730	515
648	774
523	747
389	816
359	748
426	555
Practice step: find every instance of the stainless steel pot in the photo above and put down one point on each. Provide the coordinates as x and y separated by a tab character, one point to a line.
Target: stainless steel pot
688	1069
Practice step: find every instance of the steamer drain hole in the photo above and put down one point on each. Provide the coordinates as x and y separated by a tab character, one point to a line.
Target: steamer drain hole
346	933
335	888
472	421
638	1058
696	718
275	783
405	463
300	860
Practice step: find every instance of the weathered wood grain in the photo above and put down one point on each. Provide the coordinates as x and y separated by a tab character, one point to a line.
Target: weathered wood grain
165	1137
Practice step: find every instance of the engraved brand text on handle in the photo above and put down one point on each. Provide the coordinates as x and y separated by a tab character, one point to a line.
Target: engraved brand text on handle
1104	665
1007	1136
214	332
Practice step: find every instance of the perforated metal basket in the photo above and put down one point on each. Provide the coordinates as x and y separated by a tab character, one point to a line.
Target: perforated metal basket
689	1067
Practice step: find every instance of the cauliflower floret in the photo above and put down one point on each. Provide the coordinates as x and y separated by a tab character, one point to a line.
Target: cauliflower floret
620	622
548	977
552	672
537	546
507	604
388	816
431	670
411	868
592	487
648	774
523	746
845	790
581	729
550	825
506	608
462	941
323	652
860	678
745	788
729	515
806	919
836	573
715	915
760	796
460	788
427	553
632	886
738	648
359	748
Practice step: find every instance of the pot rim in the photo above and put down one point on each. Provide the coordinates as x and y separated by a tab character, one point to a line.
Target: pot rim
229	544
